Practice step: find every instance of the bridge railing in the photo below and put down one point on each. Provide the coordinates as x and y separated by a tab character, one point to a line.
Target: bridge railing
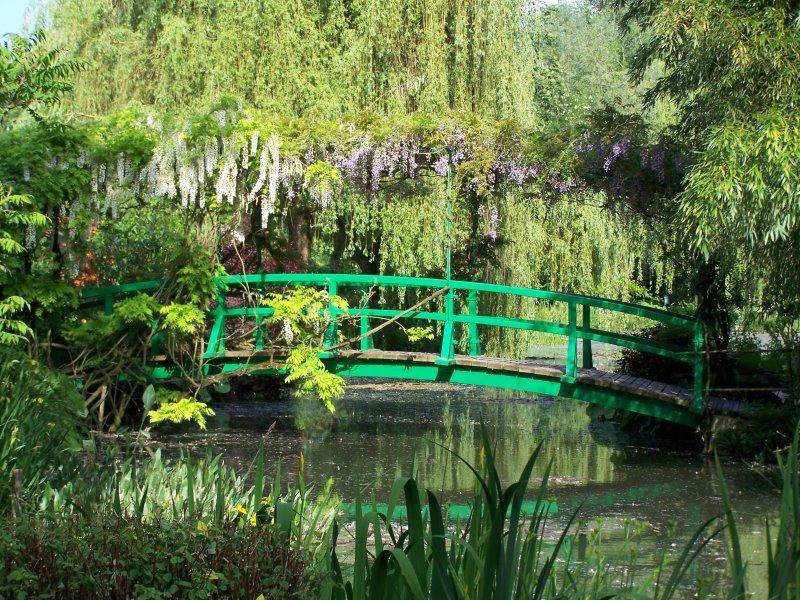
470	293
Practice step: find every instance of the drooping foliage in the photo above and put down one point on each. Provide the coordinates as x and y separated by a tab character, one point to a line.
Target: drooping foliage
300	57
730	69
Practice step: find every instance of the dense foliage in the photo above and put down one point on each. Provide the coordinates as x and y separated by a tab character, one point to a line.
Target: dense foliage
300	57
100	556
160	139
41	425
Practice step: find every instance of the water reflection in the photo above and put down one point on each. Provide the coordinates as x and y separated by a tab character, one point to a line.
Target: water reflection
386	429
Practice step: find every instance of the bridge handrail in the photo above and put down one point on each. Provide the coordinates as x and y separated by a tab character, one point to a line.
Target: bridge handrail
347	280
571	330
350	280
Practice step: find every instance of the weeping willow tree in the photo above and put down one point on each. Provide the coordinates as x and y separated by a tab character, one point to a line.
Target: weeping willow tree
301	57
360	194
342	77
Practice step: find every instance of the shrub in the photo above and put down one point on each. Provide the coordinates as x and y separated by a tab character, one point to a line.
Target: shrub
659	368
41	423
104	556
766	430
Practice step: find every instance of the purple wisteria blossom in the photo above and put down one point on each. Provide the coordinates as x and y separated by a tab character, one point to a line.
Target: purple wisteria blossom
494	221
440	166
618	149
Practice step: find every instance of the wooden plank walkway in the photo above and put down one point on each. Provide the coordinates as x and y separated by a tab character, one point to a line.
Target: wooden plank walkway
628	384
635	386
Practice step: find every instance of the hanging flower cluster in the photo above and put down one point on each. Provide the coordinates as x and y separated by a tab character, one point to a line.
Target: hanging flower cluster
247	160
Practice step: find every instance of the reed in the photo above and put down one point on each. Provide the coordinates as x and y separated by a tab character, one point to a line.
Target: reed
499	553
782	542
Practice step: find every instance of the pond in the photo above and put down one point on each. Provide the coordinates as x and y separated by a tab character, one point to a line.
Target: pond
383	429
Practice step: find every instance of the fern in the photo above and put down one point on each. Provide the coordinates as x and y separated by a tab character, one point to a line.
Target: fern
305	368
182	319
175	409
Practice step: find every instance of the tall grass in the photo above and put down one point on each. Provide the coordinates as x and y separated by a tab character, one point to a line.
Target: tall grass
783	543
499	553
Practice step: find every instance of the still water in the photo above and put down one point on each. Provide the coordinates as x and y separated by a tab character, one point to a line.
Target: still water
385	429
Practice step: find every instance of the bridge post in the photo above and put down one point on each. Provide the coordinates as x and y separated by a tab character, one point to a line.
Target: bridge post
588	363
258	334
570	370
216	339
447	336
472	328
366	340
699	342
331	332
108	303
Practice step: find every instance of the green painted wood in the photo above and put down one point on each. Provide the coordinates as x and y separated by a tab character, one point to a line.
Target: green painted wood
346	279
351	280
512	381
366	340
332	333
474	344
492	321
216	338
448	340
572	344
588	363
119	290
637	343
443	369
250	311
699	368
524	382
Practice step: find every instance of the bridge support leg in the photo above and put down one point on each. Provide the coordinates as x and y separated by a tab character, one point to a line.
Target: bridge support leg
698	401
258	336
332	331
216	339
472	328
588	363
447	337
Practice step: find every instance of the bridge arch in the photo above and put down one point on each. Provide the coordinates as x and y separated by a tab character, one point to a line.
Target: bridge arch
575	378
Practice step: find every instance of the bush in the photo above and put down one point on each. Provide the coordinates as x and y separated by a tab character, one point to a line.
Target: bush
109	557
41	423
659	368
767	430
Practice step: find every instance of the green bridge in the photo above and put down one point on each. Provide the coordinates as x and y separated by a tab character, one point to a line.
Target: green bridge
460	301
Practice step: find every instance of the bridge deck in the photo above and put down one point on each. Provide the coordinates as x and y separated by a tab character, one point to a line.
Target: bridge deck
635	386
623	383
